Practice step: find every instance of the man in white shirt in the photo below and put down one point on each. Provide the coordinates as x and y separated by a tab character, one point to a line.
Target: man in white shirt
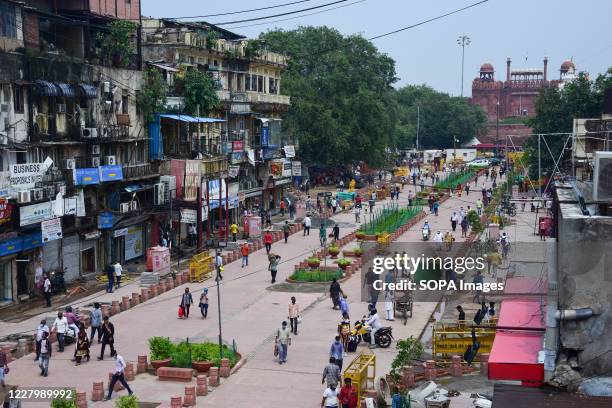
60	326
374	323
47	289
118	272
42	328
438	238
219	265
307	224
330	397
118	375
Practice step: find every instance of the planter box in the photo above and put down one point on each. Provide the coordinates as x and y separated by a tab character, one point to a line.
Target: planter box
201	366
161	363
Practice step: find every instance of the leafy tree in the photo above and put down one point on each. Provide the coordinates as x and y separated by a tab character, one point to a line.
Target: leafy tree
556	108
152	98
117	44
252	48
199	90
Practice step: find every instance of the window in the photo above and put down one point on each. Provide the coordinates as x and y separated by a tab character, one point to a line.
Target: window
18	98
247	82
260	83
124	104
6	93
8	20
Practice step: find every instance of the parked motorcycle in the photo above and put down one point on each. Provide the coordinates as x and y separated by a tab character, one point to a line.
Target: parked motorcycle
58	284
361	331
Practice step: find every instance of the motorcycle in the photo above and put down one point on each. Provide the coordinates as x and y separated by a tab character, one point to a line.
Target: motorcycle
361	331
425	234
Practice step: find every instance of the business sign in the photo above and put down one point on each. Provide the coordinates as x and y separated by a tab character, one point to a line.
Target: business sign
6	210
110	173
134	246
233	171
251	156
5	183
189	216
26	175
289	151
51	230
121	232
276	168
192	179
86	177
296	169
237	146
265	136
35	213
213	189
287	168
106	220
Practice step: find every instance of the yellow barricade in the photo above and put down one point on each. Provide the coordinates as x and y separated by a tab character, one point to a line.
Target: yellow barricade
453	339
362	372
200	267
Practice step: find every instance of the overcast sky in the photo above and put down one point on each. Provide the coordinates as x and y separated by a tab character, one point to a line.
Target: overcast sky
526	30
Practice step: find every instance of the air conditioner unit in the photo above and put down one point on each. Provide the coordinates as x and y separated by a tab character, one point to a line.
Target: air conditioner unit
159	194
134	205
36	194
602	176
23	196
61	108
89	133
170	186
124	208
94	161
110	160
4	107
68	164
94	149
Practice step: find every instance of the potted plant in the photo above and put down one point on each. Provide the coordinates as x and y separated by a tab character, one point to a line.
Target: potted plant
360	235
200	359
343	263
358	251
161	349
333	250
127	401
313	262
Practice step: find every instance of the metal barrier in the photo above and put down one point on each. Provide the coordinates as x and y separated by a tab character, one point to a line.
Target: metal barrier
200	267
383	241
450	339
362	372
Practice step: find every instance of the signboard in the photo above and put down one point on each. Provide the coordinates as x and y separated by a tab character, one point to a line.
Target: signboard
296	169
289	151
287	168
188	216
51	230
213	189
237	157
265	136
106	220
121	232
233	171
86	177
6	210
276	168
26	175
192	179
5	183
134	247
35	213
251	156
237	146
110	173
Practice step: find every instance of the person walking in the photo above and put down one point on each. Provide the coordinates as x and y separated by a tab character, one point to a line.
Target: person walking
219	265
286	230
454	219
118	273
268	241
410	198
293	313
357	212
110	275
283	340
389	305
464	226
204	303
467	189
186	301
273	267
47	289
344	307
461	317
334	293
118	375
337	352
45	354
193	234
331	373
478	280
336	232
244	251
108	338
282	207
60	326
322	234
234	231
330	397
307	223
348	394
82	347
436	207
42	328
479	207
95	318
422	184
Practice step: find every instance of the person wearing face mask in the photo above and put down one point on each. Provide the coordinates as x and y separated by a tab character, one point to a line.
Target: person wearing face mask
293	314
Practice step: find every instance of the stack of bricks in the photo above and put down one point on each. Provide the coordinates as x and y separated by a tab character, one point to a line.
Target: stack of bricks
408	376
115	308
125	303
484	364
224	369
129	371
142	365
176	402
430	370
135	299
97	393
455	369
202	386
190	396
118	386
81	399
213	377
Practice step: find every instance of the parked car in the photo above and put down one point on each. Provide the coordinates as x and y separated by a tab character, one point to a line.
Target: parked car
495	161
479	163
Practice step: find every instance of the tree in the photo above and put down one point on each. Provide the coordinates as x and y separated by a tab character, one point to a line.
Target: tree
117	44
341	96
556	108
200	92
152	98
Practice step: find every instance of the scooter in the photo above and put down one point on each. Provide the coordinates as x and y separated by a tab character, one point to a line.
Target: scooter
383	337
425	234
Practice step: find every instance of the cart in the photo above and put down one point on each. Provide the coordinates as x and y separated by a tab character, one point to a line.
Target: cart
403	305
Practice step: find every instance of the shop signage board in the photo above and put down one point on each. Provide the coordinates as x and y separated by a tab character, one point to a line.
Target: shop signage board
6	210
35	213
106	220
51	230
192	179
237	146
110	173
296	168
134	247
121	232
86	177
26	175
287	168
289	151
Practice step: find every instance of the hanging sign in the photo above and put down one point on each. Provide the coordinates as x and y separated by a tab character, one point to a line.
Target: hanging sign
51	229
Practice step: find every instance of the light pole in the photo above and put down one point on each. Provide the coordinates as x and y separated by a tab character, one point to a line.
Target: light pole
496	127
463	40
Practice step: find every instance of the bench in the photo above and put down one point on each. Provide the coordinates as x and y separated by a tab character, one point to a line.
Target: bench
175	374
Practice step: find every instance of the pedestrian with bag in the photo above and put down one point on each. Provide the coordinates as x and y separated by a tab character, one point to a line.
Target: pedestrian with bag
42	328
244	251
60	326
293	314
186	301
273	267
118	375
204	303
45	354
108	338
95	317
337	352
283	340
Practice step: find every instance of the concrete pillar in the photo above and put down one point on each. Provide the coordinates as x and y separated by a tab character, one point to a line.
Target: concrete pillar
176	402
81	399
142	365
213	377
408	376
129	371
125	303
190	396
135	298
202	385
115	308
105	310
224	369
430	370
144	295
484	364
97	393
153	291
455	369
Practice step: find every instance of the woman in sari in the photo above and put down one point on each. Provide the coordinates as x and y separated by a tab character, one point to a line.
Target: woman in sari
82	347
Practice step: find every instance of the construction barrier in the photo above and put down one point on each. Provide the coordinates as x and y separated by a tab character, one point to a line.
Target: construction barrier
201	267
450	339
362	372
383	241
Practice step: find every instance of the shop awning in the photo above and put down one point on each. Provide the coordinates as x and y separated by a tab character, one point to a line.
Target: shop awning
88	91
66	90
164	67
46	88
190	119
133	188
514	357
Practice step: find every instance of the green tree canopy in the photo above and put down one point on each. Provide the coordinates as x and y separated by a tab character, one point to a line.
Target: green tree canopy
200	91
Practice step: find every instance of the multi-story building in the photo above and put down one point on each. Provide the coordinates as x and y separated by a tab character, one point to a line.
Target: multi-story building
76	182
247	141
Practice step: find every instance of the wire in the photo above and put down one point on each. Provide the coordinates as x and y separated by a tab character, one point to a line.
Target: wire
235	12
282	14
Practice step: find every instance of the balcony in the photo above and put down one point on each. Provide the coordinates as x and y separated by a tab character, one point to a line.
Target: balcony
253	97
214	165
138	171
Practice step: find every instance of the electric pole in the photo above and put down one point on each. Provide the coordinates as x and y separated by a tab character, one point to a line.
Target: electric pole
463	41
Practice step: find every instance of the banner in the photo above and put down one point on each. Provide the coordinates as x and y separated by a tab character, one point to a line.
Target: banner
177	169
296	169
192	179
134	246
237	146
289	151
287	168
106	220
5	183
6	210
233	171
188	216
265	136
251	156
111	173
51	230
26	175
35	213
276	168
85	177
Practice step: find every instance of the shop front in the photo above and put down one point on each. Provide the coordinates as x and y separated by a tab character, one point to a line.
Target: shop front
129	240
20	257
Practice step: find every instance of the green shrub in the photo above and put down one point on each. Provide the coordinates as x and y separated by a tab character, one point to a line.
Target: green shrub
407	350
315	275
344	261
160	348
63	403
127	401
181	359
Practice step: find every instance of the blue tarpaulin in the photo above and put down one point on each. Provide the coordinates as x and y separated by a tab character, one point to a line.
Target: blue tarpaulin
190	119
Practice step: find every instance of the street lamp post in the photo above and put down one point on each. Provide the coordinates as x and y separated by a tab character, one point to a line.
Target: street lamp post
463	41
496	127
